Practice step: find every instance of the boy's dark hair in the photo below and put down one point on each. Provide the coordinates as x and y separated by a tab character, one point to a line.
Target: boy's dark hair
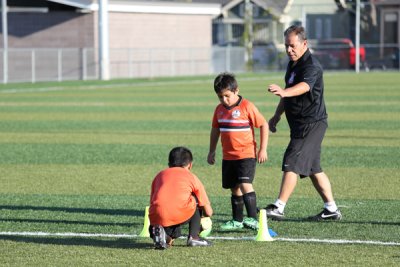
225	81
297	30
180	157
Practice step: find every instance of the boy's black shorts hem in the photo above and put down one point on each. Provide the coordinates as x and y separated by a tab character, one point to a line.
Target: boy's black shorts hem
236	172
302	156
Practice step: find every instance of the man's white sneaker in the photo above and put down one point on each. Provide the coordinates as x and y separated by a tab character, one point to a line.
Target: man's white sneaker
273	213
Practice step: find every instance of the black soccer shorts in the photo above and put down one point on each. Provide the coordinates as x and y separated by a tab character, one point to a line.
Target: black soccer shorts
303	154
236	172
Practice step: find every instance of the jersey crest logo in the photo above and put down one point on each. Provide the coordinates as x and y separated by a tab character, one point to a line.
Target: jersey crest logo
236	114
291	79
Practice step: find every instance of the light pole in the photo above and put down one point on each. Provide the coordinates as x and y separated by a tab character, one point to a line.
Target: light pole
104	60
357	36
5	40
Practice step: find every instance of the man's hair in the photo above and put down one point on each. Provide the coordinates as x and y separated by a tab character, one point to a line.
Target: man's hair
180	157
225	81
297	30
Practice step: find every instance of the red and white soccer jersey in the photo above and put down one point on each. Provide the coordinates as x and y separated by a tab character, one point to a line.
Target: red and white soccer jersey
236	125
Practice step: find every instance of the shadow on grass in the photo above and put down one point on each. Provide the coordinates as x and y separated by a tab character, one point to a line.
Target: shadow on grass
68	222
122	243
126	212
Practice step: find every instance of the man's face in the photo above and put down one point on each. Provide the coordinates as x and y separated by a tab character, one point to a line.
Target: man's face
295	48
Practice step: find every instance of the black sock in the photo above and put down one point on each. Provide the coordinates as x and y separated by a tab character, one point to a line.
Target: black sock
250	201
194	224
237	208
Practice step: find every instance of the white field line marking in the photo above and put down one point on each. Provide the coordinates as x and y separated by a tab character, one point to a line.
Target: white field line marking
340	241
308	240
117	85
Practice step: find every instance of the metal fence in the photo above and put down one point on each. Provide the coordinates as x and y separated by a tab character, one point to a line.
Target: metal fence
34	65
63	64
133	63
37	64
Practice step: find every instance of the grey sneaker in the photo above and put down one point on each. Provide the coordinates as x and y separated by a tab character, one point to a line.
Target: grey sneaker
326	215
198	242
273	212
250	223
159	237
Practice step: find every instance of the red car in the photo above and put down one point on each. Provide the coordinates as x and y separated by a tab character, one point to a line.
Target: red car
338	53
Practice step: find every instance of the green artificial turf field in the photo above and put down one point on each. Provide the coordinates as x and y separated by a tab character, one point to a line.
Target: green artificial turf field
77	160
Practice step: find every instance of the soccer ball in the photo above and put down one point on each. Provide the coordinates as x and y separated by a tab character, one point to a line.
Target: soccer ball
206	223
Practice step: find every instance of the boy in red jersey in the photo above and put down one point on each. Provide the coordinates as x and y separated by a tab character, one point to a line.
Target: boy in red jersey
177	197
234	120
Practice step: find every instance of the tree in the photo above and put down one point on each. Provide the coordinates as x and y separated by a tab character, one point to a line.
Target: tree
248	34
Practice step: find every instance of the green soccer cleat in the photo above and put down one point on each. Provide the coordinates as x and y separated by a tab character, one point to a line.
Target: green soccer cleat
231	225
251	223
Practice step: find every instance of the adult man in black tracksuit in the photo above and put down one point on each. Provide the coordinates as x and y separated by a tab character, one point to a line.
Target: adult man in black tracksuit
302	100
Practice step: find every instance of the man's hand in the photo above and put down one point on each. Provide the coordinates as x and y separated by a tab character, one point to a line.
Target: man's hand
273	122
276	90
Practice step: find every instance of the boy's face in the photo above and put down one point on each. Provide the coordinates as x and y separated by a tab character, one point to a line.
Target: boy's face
228	98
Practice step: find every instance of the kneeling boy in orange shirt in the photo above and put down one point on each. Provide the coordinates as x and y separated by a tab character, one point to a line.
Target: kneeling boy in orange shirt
177	197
